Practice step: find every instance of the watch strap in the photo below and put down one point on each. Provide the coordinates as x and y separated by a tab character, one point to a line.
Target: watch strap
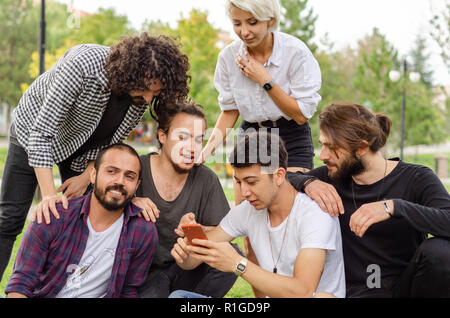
241	267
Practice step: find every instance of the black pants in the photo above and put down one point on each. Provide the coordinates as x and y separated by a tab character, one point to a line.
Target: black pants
297	139
19	184
204	280
426	276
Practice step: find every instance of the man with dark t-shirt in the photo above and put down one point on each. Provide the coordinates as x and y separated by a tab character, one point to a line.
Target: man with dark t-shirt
387	208
173	182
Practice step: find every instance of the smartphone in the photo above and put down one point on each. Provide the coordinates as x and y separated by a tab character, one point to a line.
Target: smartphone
193	231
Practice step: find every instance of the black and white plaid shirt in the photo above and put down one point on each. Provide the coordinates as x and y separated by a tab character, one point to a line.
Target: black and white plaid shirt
63	106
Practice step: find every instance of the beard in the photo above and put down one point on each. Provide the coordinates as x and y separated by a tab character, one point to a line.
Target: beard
112	204
350	166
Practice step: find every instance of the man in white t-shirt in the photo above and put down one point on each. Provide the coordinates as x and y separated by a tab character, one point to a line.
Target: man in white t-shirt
297	246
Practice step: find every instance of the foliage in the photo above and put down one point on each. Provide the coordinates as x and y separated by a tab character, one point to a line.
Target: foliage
440	33
198	39
18	41
299	20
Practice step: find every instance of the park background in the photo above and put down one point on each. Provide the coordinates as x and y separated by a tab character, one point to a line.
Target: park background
359	72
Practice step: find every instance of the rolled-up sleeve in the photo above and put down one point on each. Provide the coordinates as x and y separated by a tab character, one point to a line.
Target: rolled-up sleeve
222	84
306	80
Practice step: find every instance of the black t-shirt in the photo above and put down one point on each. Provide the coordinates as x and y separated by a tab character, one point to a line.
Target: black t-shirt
111	119
421	207
202	194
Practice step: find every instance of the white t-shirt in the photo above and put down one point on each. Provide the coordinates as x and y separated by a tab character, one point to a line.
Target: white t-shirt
291	65
308	227
90	278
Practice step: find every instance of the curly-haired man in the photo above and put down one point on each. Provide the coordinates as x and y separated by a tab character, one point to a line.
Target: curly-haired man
91	98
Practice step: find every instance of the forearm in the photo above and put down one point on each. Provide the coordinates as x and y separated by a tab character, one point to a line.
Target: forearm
46	182
430	220
274	285
226	121
287	104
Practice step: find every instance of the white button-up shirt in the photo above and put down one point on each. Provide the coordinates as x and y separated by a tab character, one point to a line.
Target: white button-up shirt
291	65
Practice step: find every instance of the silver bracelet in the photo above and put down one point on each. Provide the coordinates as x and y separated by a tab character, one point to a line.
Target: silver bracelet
386	207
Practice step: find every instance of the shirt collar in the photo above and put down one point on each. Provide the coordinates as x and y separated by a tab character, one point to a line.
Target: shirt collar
277	53
129	211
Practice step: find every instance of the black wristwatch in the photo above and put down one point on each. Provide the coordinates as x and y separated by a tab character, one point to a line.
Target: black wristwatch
268	86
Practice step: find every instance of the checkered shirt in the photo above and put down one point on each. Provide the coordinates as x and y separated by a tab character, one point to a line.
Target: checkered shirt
62	107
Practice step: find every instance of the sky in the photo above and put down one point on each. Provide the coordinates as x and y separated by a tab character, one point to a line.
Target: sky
345	21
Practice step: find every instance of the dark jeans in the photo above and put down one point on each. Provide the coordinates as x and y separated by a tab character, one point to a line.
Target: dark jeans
204	280
19	184
426	276
297	139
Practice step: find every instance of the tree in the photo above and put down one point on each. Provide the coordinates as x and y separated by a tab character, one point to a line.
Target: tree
420	58
440	32
423	120
198	39
104	27
18	41
299	20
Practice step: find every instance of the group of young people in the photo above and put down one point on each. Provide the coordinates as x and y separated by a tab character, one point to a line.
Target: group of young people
358	226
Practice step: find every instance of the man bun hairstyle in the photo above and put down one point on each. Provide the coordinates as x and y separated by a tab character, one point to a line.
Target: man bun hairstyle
352	126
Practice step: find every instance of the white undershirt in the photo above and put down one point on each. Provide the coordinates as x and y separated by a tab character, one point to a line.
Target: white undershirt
90	278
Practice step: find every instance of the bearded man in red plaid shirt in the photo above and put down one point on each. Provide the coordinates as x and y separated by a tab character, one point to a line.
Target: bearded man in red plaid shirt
99	247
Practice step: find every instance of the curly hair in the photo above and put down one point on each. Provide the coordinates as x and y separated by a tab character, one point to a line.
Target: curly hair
133	61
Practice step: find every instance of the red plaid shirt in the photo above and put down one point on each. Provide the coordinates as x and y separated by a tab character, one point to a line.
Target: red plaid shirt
47	252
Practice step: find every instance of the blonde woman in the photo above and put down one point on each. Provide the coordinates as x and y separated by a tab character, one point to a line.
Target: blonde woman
269	78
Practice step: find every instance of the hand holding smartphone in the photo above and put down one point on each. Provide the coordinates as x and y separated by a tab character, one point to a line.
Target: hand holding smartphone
192	231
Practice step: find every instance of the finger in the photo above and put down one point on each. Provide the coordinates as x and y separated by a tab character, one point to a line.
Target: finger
52	208
65	203
33	215
241	61
179	232
175	255
154	209
63	186
206	243
145	215
46	213
365	227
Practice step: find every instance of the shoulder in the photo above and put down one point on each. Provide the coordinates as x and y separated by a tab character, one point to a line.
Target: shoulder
90	58
203	173
308	213
142	230
229	52
291	43
409	172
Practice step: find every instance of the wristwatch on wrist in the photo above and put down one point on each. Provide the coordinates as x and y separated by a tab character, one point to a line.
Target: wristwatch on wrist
241	267
268	86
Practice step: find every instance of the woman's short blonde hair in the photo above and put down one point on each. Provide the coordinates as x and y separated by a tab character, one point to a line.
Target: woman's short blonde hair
262	10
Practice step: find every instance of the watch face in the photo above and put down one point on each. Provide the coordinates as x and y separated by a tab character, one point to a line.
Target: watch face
267	86
241	267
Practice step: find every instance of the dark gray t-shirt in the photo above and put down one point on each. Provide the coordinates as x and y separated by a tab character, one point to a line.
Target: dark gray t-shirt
202	194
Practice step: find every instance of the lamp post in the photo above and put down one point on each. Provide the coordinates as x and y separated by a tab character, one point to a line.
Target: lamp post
395	76
42	39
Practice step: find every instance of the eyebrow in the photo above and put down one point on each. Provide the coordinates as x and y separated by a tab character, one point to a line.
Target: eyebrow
246	178
126	171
